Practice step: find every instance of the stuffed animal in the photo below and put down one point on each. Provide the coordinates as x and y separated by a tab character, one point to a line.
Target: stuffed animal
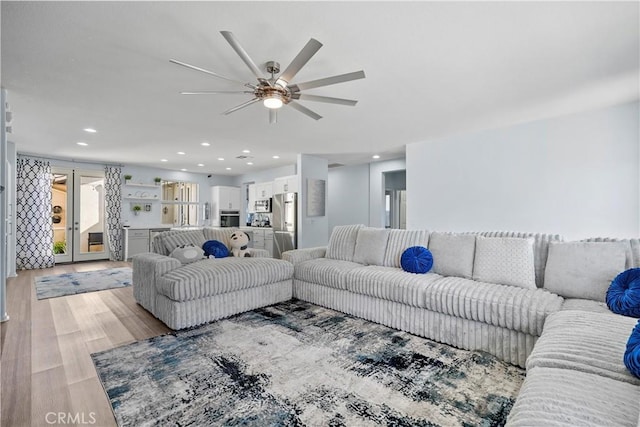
239	242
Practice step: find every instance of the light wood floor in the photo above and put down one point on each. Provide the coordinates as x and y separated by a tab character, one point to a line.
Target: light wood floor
45	362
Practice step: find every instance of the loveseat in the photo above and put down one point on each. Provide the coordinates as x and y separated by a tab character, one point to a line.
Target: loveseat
188	295
533	300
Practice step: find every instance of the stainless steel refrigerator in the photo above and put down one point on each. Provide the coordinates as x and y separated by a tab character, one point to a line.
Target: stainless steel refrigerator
284	223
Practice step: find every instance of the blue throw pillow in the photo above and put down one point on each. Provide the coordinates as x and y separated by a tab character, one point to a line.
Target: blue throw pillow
416	259
632	353
623	296
215	248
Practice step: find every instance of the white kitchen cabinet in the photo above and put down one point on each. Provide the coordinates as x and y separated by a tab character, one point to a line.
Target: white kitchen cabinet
136	241
225	198
285	184
268	241
264	190
262	238
251	208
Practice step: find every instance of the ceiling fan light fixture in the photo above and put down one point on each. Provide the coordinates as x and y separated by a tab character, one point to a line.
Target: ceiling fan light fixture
273	101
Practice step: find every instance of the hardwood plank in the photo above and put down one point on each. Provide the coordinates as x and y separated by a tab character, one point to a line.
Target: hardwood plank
46	347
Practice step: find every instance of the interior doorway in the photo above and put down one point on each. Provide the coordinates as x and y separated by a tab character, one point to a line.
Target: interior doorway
78	215
395	198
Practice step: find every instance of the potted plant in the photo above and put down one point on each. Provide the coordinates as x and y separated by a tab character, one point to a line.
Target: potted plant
59	247
127	178
157	180
136	209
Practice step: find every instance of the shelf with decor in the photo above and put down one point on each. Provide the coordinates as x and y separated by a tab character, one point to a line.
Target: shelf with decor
129	184
153	199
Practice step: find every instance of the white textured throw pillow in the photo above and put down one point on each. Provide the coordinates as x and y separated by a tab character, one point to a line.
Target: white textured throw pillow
452	253
187	254
583	269
371	245
506	261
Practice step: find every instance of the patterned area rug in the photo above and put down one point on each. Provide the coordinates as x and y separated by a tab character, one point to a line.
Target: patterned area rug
77	283
297	364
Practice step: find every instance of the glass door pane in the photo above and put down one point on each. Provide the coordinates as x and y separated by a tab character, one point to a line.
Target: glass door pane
89	216
61	215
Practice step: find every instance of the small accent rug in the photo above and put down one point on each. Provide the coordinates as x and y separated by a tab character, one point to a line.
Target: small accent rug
297	364
77	283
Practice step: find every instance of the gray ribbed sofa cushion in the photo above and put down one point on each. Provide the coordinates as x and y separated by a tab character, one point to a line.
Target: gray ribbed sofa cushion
326	272
399	241
172	239
561	397
576	340
220	234
540	247
520	309
632	250
217	276
342	243
393	284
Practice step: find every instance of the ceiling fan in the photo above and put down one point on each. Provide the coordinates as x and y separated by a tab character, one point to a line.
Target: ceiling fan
277	91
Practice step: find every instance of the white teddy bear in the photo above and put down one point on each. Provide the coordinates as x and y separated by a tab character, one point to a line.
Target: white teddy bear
239	242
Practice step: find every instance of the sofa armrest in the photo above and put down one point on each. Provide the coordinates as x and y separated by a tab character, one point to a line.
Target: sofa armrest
297	256
259	253
147	268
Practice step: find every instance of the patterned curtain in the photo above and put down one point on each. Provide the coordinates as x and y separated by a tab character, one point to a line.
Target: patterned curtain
113	206
34	229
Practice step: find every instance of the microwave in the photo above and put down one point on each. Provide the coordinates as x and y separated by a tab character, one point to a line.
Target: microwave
263	205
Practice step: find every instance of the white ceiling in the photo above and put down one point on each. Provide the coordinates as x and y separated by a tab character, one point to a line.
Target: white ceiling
433	69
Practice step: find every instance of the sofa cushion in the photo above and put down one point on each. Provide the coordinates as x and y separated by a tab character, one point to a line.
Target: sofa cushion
221	234
562	397
583	269
342	243
452	253
623	295
390	283
326	272
585	341
371	245
175	238
417	259
218	276
505	260
187	254
399	240
519	309
585	305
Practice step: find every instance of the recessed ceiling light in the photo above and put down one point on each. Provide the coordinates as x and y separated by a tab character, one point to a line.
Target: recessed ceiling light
84	144
90	130
228	169
249	163
200	164
183	170
220	158
164	160
246	151
205	144
182	153
276	157
376	156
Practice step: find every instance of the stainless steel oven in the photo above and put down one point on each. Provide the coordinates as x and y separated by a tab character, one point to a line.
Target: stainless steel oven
229	218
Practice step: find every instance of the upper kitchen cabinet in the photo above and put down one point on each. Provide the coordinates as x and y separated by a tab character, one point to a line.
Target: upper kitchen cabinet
225	198
264	190
285	184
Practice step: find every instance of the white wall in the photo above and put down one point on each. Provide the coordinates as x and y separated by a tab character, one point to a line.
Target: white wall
348	195
312	231
575	175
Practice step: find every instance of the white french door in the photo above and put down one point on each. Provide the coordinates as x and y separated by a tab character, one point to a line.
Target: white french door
78	215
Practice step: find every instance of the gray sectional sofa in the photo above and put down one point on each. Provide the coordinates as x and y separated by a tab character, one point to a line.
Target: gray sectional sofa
559	329
183	296
532	300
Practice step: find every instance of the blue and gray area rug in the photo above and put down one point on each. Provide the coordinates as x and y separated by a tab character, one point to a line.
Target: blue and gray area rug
297	364
77	283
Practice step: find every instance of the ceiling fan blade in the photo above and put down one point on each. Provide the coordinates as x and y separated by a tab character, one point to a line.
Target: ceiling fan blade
193	67
327	99
327	81
304	110
299	61
235	44
241	106
273	116
215	92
